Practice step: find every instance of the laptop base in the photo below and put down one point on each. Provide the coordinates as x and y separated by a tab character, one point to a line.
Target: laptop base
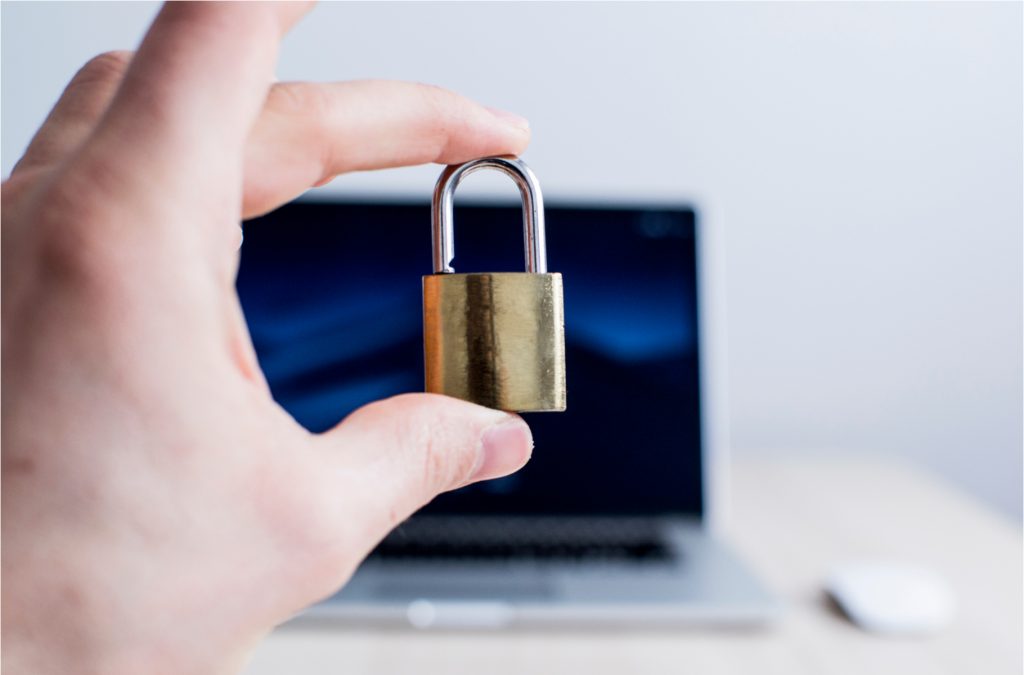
701	583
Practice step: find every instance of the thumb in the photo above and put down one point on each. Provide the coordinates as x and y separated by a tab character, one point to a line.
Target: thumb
400	453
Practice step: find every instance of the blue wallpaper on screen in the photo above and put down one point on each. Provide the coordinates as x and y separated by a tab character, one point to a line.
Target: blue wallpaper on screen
332	296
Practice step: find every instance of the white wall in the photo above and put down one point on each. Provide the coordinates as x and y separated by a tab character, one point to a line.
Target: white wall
862	162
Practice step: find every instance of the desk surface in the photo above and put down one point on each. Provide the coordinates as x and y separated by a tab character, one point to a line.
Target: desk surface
792	520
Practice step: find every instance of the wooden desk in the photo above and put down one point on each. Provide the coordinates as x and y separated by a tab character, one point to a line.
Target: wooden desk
792	520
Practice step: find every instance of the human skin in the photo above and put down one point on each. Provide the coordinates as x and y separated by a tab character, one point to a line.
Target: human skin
160	512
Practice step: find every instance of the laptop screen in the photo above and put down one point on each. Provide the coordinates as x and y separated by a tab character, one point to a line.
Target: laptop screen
332	295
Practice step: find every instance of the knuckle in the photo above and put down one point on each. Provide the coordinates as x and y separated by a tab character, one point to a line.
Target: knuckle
437	97
294	98
436	468
416	428
444	464
73	246
72	260
437	118
444	119
308	112
103	68
90	90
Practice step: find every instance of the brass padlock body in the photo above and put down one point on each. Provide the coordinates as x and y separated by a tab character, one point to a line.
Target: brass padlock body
496	339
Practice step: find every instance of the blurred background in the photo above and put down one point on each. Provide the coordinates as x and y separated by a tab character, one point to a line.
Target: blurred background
859	165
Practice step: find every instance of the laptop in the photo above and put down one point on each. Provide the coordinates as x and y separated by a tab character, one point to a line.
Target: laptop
615	518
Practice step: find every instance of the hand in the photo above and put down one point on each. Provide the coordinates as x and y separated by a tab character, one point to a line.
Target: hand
160	511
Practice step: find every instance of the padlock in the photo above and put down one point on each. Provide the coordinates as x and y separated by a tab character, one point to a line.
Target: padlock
495	338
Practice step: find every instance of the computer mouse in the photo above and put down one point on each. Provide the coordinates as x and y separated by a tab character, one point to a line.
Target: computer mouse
892	598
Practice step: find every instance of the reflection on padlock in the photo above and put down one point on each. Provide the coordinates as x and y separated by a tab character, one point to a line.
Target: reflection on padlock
497	339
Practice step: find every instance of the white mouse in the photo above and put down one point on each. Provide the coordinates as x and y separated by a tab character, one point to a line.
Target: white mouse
892	598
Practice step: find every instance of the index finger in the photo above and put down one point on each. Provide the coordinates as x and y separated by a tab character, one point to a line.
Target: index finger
309	133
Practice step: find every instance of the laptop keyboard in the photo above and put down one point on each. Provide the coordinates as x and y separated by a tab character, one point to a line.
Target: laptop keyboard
604	540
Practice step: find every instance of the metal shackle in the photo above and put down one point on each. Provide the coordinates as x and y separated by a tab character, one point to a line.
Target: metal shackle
442	211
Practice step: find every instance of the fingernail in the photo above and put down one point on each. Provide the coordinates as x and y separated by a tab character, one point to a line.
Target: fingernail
506	448
510	118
